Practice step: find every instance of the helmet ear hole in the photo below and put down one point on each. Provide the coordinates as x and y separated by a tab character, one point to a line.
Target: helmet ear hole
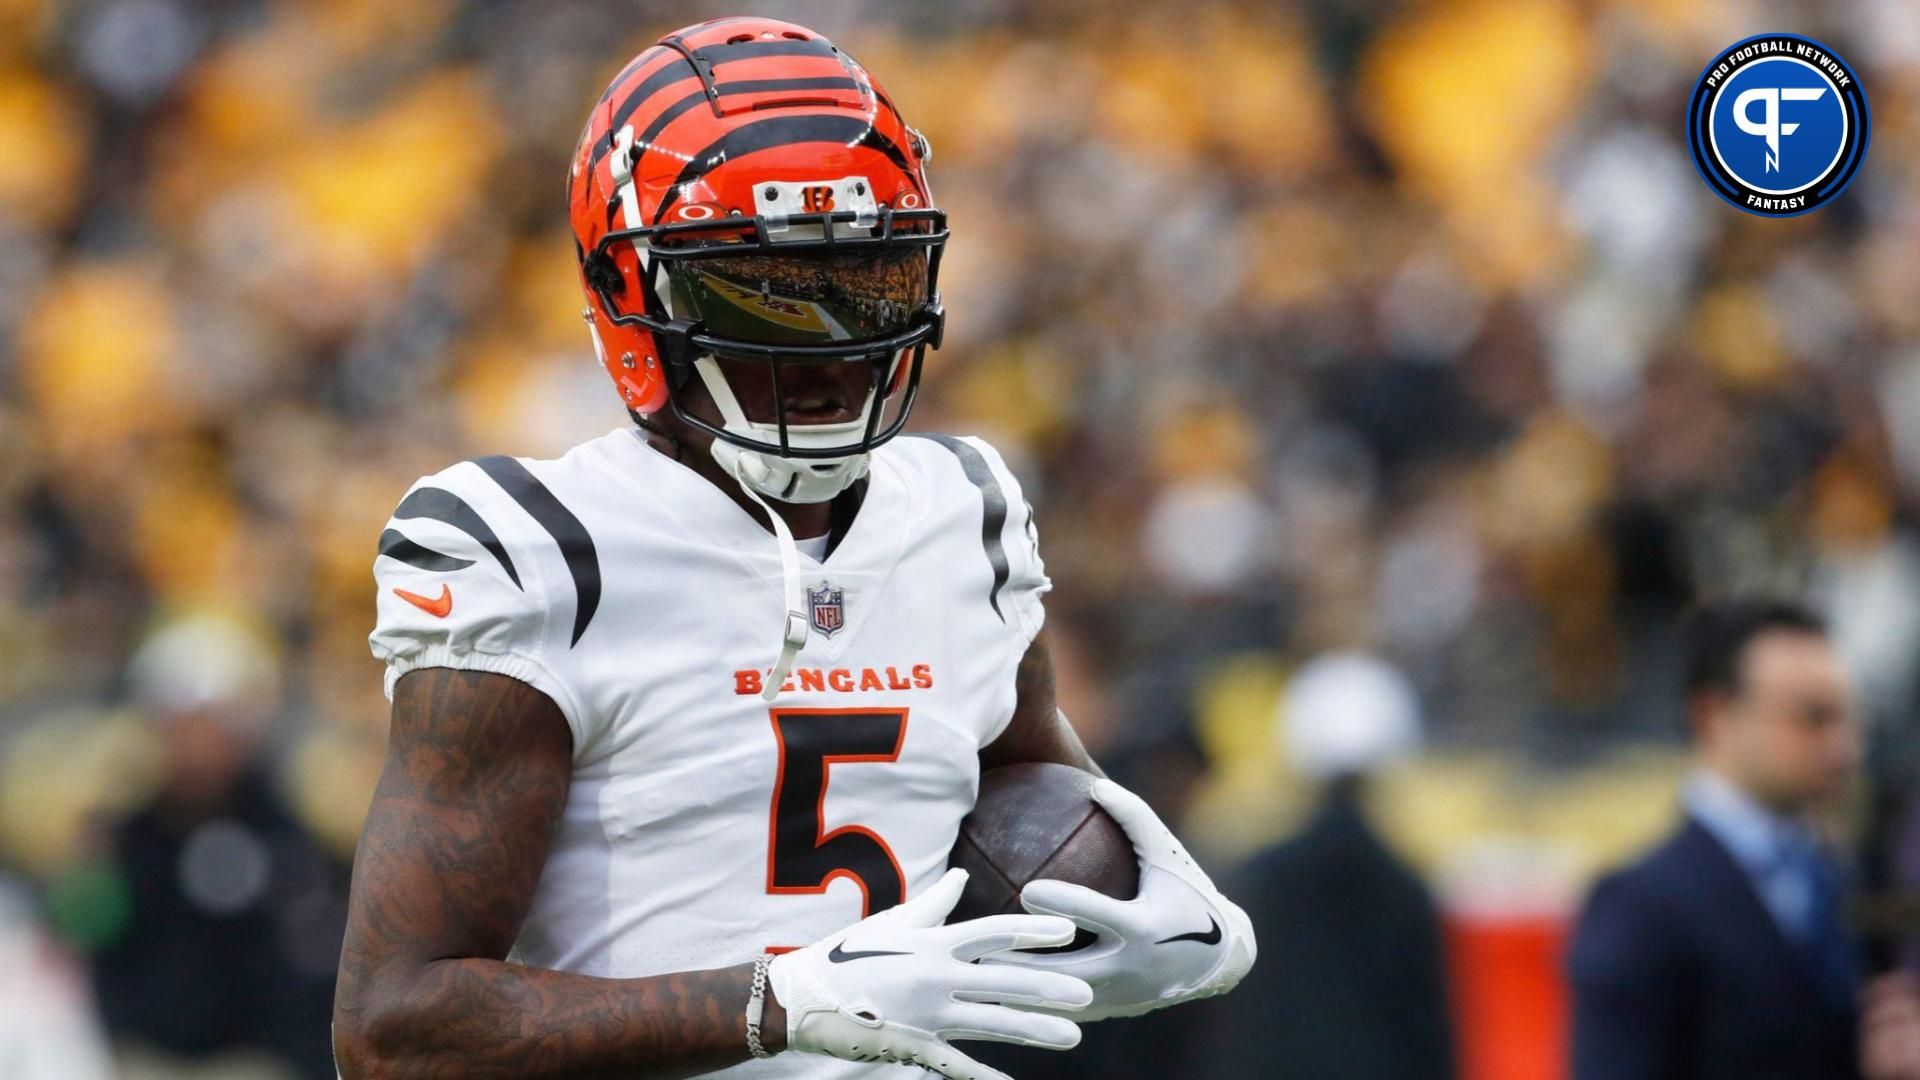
603	274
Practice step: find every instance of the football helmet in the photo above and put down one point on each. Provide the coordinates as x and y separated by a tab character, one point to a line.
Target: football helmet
746	199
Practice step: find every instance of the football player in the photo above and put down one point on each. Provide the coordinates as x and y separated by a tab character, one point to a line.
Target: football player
686	720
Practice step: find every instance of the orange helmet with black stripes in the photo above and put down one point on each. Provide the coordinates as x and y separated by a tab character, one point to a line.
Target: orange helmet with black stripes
745	191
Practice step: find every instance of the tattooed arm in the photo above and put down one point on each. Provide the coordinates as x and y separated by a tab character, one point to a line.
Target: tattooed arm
477	771
1039	731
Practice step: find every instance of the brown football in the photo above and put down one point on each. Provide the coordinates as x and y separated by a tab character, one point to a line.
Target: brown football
1039	821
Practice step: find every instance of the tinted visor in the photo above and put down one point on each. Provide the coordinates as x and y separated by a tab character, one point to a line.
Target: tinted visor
802	298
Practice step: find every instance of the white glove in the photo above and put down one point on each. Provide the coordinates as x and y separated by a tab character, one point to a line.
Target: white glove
897	985
1177	940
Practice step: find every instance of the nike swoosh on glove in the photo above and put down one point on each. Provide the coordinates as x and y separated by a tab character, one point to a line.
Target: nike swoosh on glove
899	985
1179	939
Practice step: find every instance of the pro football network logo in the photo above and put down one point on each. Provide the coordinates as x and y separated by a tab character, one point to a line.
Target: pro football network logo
829	608
1778	124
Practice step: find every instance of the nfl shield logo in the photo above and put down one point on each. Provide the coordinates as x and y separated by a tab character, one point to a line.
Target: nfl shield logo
829	613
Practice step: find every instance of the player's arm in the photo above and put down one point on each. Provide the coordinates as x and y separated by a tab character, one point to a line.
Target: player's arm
1039	731
477	771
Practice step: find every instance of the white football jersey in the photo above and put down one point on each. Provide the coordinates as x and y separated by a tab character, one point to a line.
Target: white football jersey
705	824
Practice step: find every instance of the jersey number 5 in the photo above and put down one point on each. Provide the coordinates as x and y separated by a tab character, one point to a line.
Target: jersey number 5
802	857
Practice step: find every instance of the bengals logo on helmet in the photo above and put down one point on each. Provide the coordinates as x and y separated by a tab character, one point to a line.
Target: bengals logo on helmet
817	199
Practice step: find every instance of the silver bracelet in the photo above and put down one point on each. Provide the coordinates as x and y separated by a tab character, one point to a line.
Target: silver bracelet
757	1005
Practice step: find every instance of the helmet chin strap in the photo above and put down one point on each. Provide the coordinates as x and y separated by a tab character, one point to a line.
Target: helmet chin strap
794	634
789	481
810	480
763	477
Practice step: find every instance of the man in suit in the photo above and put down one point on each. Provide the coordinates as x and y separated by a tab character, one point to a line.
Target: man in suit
1722	953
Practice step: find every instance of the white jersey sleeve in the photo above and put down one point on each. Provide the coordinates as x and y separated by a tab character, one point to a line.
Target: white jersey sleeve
456	589
1017	578
1008	518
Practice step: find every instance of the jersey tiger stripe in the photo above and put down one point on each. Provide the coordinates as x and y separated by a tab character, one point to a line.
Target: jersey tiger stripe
395	545
439	504
576	546
993	516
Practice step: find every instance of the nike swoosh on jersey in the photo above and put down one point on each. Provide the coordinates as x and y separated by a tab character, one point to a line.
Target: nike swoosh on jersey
1210	936
439	607
839	955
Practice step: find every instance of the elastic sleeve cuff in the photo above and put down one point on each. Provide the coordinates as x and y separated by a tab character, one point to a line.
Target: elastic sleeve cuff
1032	613
513	665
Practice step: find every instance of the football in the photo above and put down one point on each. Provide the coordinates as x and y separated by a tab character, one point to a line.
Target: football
1034	821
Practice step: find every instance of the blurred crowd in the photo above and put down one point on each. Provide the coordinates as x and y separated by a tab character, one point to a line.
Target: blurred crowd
1395	325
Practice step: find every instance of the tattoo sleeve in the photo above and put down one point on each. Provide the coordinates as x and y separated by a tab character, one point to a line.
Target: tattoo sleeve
477	772
1039	731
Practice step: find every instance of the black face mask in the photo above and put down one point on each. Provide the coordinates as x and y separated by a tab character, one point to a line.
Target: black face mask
858	288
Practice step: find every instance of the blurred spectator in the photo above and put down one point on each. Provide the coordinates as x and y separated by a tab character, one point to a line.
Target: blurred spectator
234	913
1350	946
1723	952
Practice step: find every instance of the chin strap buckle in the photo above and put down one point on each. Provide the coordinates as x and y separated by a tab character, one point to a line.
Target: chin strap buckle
790	646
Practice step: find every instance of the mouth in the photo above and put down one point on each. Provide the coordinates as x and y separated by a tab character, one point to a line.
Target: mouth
818	409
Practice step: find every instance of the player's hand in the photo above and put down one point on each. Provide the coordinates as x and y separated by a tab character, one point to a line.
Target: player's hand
898	985
1178	939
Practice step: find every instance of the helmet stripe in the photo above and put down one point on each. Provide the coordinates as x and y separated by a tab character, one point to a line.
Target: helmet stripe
761	86
781	131
626	73
748	50
664	76
675	71
645	140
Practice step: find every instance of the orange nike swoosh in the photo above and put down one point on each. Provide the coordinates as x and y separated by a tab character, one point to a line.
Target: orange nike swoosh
439	608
